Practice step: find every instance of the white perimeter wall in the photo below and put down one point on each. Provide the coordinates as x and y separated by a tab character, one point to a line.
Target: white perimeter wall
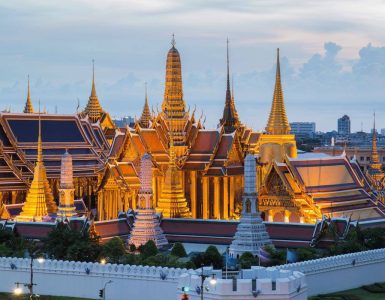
342	272
64	278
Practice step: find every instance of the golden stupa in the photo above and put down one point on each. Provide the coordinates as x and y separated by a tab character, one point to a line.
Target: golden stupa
40	201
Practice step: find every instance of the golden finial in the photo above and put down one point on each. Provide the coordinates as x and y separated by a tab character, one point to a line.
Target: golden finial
173	43
39	141
93	91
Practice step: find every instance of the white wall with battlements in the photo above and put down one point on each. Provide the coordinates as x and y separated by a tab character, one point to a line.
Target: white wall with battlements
269	284
341	272
67	278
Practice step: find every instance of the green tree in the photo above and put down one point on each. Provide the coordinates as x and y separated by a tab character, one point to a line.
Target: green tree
114	250
247	260
213	257
304	254
148	249
66	244
374	238
178	250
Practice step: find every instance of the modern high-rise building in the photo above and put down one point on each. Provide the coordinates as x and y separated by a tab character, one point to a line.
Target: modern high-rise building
303	129
343	125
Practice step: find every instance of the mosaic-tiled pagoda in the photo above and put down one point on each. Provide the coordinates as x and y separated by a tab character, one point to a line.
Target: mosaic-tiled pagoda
146	224
251	234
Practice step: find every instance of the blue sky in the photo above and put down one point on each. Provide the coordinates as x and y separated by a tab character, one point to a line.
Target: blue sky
333	55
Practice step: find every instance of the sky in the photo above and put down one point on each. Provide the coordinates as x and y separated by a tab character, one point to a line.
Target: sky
332	56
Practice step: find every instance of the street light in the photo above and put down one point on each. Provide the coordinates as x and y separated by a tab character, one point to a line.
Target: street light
103	261
102	292
203	277
18	290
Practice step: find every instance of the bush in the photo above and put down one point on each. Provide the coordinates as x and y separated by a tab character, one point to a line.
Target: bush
132	248
304	254
213	257
114	250
178	250
148	249
247	260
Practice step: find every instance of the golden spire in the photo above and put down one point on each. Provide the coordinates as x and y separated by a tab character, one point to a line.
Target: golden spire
278	123
230	119
40	201
173	105
28	108
375	164
145	118
93	108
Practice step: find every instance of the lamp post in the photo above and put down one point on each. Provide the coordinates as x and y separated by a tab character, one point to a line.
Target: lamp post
102	292
29	285
203	277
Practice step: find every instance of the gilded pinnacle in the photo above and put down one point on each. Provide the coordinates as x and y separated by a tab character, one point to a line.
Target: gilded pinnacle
278	123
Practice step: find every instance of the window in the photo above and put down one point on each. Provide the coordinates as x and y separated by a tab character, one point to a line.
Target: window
368	158
361	158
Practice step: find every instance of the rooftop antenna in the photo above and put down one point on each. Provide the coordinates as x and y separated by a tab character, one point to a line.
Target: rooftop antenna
77	107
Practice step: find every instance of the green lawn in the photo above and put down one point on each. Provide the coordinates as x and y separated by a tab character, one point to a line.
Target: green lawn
5	296
371	292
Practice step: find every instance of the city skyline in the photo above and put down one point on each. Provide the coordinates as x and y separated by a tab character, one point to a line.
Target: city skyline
329	67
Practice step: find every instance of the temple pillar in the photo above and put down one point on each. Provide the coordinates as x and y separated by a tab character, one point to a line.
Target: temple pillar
205	196
287	216
301	219
133	199
159	180
232	194
217	191
226	198
270	215
154	192
14	197
193	193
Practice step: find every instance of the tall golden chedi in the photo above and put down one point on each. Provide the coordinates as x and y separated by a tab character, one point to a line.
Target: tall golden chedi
28	104
277	142
172	201
67	189
173	106
40	201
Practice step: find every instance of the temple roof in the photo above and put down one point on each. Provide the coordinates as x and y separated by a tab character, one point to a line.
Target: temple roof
18	140
333	184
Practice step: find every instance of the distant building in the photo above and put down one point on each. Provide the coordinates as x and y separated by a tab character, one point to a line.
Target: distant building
303	129
129	121
382	131
343	125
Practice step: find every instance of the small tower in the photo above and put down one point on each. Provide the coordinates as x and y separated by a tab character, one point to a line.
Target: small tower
145	118
251	233
28	108
230	120
66	190
93	108
375	166
40	201
146	225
